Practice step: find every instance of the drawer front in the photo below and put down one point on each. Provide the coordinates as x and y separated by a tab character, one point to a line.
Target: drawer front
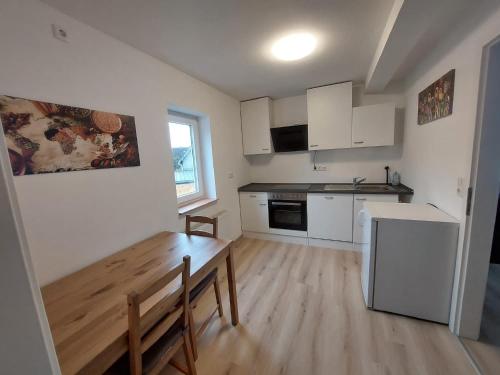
253	196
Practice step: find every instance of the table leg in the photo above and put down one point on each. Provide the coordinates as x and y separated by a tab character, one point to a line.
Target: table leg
231	281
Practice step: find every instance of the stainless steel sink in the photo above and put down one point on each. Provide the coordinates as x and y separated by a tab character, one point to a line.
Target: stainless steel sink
333	187
362	187
375	188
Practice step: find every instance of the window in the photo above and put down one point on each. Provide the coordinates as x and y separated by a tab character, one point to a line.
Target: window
184	140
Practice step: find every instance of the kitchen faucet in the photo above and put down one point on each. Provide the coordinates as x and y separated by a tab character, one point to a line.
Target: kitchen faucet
356	181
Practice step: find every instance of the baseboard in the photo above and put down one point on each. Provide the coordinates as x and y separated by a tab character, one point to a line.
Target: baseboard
276	237
327	244
287	232
336	245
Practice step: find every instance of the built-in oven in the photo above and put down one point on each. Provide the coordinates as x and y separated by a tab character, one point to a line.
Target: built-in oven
288	211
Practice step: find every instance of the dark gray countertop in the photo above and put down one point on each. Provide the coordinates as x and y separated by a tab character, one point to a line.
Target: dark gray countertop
368	188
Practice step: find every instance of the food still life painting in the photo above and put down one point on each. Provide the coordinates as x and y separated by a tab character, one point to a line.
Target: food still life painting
45	137
436	101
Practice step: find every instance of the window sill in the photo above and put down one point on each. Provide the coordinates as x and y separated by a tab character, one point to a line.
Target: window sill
196	205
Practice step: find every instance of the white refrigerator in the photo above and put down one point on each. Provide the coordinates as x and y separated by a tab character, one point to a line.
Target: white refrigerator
408	264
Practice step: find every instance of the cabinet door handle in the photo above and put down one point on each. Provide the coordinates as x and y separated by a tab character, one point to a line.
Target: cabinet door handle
265	149
329	198
313	145
359	142
252	196
361	199
263	204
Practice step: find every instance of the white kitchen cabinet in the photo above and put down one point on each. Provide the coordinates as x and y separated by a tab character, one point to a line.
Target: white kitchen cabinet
256	126
329	216
359	200
329	114
373	125
254	212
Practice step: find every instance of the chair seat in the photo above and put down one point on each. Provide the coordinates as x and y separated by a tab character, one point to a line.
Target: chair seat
202	285
152	355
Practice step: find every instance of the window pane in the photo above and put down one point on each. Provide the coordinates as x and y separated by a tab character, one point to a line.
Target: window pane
181	139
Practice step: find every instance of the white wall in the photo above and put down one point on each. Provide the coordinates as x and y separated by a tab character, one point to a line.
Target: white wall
289	111
435	155
342	165
73	219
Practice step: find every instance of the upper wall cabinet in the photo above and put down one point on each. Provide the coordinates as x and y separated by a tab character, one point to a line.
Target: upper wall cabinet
256	125
373	125
329	113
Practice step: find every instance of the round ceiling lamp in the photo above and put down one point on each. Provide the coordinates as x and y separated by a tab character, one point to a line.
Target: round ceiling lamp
294	46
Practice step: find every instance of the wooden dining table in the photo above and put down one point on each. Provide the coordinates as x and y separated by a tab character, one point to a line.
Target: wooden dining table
87	310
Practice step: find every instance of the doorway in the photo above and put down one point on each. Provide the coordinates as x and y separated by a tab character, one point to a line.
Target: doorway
479	315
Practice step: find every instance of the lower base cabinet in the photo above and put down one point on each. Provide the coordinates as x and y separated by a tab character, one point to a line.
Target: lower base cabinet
329	216
254	212
359	199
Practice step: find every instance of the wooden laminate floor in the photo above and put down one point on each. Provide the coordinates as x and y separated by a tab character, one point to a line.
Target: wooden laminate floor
302	312
486	351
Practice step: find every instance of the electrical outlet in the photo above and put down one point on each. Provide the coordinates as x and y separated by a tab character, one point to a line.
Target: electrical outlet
59	33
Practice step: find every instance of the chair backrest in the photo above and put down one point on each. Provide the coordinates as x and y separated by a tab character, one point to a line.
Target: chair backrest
201	220
147	329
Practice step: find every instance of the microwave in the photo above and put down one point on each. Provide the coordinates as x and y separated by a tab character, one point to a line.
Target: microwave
290	138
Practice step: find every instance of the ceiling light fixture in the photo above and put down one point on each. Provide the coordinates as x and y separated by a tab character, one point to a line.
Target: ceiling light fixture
294	46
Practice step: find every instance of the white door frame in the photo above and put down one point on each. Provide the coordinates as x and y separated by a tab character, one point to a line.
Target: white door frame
480	221
25	330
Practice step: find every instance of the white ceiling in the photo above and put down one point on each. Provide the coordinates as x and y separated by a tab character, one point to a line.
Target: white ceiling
226	42
223	42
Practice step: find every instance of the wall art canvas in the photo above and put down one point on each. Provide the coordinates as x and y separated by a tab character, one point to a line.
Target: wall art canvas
436	101
45	137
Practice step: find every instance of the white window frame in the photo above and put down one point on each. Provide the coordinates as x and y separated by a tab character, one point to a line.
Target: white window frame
179	118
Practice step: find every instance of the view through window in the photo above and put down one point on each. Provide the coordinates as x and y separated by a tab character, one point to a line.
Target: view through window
184	142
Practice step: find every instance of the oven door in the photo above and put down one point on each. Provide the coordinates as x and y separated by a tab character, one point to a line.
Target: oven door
288	214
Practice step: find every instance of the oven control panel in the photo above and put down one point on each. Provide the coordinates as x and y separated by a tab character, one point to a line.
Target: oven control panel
287	196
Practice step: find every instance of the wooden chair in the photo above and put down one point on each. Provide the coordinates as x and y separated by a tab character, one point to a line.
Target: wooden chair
159	333
204	285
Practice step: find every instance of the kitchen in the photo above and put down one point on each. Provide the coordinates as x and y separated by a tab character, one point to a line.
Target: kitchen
308	157
309	168
331	214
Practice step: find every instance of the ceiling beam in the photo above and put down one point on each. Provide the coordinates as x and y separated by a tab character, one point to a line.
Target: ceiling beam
409	26
377	78
407	23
